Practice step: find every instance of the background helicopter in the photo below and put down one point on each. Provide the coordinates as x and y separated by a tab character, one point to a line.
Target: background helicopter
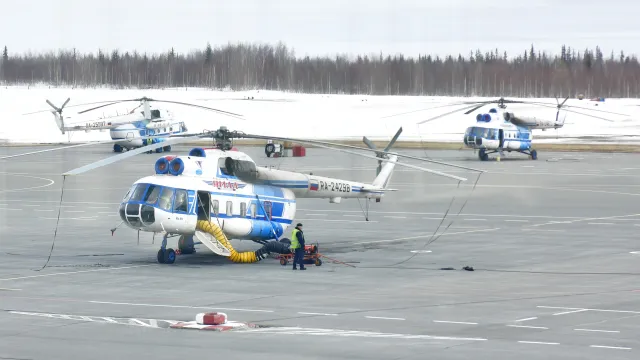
187	192
499	130
132	128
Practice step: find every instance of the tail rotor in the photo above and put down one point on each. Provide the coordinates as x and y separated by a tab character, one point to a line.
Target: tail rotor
57	113
558	122
379	154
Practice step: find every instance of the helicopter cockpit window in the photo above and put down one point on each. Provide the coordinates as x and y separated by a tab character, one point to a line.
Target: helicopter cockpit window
128	194
155	114
165	199
138	192
152	194
180	203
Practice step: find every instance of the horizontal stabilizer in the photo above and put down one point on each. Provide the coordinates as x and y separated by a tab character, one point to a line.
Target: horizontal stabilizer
364	190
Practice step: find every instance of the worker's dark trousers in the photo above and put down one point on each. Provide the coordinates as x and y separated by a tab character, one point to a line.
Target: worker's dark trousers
298	258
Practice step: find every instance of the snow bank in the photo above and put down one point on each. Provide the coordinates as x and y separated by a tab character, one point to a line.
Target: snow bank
299	115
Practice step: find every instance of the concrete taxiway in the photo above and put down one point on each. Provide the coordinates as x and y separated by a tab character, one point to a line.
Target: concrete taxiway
553	244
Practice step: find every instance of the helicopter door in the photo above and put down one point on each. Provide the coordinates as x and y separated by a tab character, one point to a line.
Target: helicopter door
501	137
204	205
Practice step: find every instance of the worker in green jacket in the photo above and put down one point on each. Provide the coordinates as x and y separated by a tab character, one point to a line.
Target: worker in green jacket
297	246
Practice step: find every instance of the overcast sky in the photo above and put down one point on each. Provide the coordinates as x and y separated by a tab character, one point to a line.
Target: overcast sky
322	27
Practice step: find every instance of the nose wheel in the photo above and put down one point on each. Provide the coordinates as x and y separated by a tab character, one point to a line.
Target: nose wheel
166	256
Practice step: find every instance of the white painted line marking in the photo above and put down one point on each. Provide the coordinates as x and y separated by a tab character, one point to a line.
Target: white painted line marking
634	252
511	220
454	322
7	289
396	217
177	306
348	333
105	212
593	223
383	318
529	327
363	221
138	322
609	347
602	331
421	251
73	272
424	236
538	342
527	319
74	211
570	312
602	310
310	313
76	218
30	205
41	210
475	219
349	215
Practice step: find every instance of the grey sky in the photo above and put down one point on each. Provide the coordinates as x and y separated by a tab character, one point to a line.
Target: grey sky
322	27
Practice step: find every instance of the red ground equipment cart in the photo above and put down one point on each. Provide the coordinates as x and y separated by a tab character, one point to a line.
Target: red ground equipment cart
311	256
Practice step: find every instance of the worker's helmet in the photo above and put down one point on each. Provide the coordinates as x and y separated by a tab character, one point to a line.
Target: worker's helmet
299	224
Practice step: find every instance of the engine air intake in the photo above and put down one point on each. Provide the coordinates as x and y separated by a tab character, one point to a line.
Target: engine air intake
176	166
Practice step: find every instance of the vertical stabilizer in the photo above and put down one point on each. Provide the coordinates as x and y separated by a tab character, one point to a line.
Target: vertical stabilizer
384	174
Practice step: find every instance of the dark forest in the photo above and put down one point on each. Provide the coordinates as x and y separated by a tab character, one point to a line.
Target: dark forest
570	72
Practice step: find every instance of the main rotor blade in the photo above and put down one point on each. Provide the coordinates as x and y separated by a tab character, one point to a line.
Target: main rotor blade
574	106
475	106
397	163
77	145
202	107
101	106
474	109
315	142
325	144
84	104
128	154
576	112
431	108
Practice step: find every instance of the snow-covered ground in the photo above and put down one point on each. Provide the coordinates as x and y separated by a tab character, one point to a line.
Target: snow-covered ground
301	115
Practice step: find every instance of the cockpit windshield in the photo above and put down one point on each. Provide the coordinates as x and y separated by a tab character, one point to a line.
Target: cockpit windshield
165	198
485	133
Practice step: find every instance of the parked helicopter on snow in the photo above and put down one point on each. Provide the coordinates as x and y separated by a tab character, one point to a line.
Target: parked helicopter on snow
217	194
498	130
132	127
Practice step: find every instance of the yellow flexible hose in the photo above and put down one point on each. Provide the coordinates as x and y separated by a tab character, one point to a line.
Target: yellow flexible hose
216	232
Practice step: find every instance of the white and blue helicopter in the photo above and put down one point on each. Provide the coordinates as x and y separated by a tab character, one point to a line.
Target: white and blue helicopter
217	194
498	130
131	128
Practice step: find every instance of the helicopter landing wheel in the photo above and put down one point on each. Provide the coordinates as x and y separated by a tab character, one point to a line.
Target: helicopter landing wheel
482	154
169	256
185	245
534	155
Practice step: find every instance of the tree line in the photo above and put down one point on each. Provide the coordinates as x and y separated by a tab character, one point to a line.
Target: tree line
275	67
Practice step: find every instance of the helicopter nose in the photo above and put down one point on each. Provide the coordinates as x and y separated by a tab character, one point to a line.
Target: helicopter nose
137	215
